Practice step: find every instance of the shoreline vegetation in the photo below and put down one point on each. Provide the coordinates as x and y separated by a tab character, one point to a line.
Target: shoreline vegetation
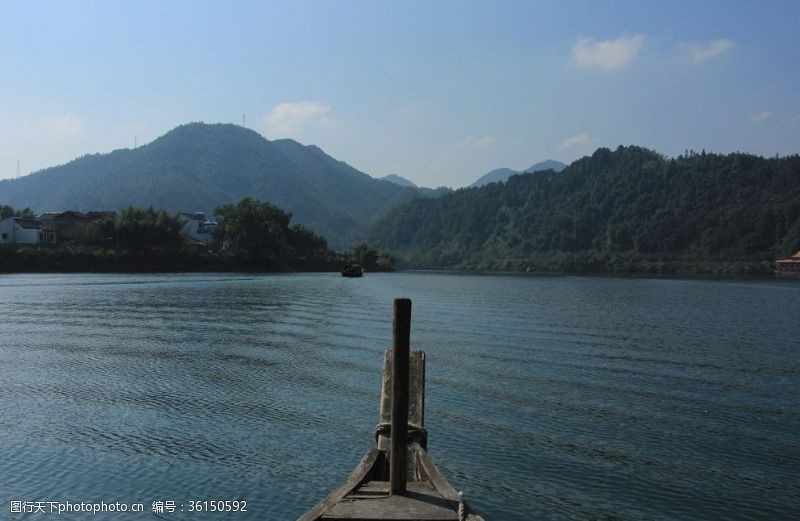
251	236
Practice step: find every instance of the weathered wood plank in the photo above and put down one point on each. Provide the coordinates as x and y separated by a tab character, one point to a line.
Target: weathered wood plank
360	474
434	476
413	506
416	392
382	488
416	385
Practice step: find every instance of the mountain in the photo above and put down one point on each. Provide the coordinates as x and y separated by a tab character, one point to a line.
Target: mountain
496	175
630	209
425	192
197	167
502	174
398	180
547	164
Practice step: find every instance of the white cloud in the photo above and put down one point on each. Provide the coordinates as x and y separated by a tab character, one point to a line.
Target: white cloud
607	54
575	141
66	126
761	116
480	142
702	52
288	118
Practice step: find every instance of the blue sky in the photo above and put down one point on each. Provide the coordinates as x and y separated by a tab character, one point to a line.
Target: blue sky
438	92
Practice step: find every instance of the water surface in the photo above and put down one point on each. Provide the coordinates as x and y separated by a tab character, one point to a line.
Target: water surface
547	397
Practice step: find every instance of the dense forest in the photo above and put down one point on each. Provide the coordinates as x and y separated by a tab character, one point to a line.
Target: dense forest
630	209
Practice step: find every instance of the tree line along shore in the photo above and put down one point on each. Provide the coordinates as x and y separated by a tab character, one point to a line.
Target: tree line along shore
248	236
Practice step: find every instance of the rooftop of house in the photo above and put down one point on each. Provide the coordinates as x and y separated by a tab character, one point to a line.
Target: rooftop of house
68	214
194	216
790	260
28	224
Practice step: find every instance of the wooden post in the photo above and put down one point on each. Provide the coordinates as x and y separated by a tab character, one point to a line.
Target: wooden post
398	458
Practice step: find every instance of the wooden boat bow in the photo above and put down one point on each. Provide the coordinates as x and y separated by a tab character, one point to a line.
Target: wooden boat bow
417	490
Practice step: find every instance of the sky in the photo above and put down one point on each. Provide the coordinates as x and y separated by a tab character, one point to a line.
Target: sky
439	92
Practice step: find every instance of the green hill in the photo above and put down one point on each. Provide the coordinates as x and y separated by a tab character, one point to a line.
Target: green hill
630	209
197	167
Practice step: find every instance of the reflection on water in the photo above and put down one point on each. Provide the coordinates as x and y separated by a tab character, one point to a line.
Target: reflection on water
547	398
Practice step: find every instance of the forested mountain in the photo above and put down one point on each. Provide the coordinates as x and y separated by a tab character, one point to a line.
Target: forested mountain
197	167
627	209
501	174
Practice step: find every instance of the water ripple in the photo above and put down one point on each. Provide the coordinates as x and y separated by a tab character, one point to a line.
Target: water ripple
547	398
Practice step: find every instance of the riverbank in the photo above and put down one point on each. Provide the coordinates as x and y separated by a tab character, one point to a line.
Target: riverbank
102	260
99	260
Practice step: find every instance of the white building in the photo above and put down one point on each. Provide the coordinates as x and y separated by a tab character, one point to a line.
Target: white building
196	228
17	230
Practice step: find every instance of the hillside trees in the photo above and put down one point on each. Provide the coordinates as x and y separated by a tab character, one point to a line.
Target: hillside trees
140	229
7	211
371	259
261	231
613	208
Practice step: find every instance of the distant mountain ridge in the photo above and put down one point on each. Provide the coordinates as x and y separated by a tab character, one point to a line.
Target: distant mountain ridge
198	166
398	180
502	174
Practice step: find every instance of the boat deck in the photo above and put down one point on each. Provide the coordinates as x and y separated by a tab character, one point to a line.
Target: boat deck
370	497
365	496
374	502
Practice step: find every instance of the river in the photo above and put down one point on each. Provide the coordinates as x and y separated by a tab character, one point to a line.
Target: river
547	397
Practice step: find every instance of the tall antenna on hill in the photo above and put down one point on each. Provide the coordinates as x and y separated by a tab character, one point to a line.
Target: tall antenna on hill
243	120
17	167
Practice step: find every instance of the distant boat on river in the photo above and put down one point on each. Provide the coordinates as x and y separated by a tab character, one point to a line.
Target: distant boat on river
353	270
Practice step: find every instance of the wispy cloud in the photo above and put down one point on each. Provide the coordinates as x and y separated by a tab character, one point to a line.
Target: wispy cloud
65	126
761	116
480	142
575	141
702	52
288	118
607	54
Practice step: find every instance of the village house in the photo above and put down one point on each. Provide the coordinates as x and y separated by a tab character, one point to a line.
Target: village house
196	228
789	267
18	230
64	227
69	227
59	226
